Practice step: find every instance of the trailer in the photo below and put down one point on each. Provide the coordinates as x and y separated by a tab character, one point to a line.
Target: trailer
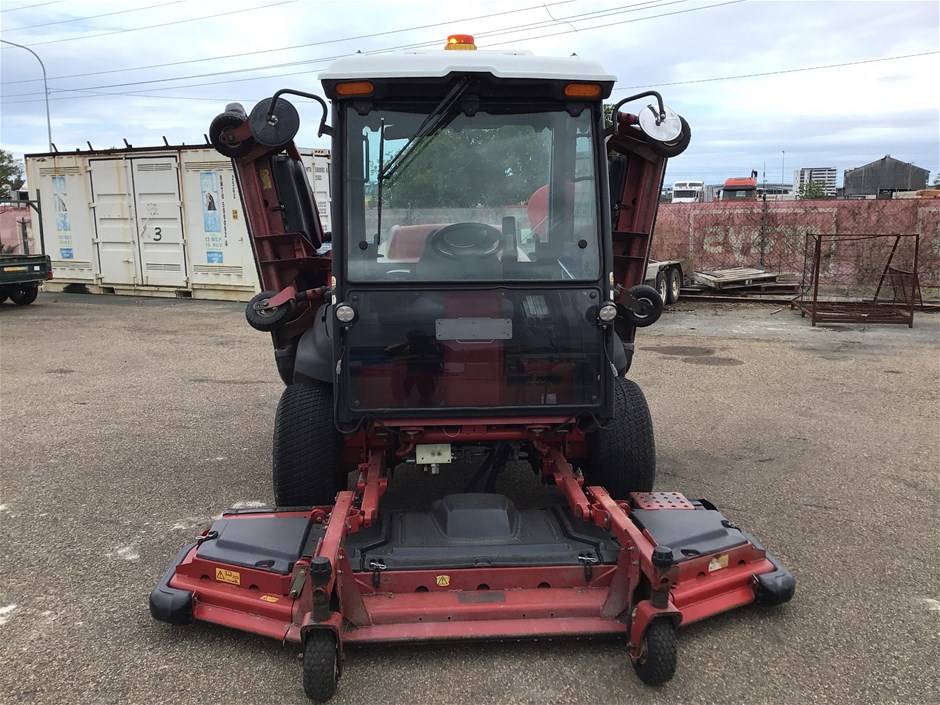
668	277
448	326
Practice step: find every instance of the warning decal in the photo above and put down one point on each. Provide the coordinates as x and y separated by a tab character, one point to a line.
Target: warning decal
442	580
228	576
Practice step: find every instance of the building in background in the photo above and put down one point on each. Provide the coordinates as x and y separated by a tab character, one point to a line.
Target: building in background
826	175
882	178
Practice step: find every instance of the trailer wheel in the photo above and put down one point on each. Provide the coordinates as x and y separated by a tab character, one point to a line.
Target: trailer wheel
24	296
321	665
659	651
673	285
305	442
623	455
662	286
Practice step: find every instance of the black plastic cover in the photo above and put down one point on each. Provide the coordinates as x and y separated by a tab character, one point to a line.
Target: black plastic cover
267	543
689	533
477	530
775	587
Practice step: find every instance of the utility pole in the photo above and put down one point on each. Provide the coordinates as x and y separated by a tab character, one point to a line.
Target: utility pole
45	87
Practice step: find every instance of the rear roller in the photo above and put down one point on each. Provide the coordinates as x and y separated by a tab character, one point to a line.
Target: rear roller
222	132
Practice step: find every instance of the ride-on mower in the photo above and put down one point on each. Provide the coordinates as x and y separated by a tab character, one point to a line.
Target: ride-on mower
477	302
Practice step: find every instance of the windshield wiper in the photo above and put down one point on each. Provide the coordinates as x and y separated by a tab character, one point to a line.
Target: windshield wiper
432	123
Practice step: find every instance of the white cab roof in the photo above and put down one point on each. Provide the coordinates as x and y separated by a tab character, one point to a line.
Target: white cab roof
439	63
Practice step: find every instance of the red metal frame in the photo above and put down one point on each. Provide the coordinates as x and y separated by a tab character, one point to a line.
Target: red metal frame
405	605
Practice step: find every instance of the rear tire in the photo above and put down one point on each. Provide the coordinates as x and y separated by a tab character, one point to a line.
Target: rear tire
662	286
305	447
673	285
623	455
25	295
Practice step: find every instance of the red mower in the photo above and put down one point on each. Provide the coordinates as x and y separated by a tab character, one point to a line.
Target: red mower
476	305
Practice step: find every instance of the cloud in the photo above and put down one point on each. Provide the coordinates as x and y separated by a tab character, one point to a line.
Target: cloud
841	117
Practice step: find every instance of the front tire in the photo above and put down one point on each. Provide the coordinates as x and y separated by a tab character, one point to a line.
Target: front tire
623	455
305	447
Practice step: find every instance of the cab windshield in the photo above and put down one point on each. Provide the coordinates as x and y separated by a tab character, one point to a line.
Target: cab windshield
466	191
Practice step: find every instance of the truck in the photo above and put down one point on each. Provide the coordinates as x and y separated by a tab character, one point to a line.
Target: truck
476	311
740	188
21	277
688	192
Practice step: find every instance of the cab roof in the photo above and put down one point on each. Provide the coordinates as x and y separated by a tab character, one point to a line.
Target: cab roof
439	63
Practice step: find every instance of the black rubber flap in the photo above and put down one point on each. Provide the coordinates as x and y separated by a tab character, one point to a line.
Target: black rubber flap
689	532
267	543
477	530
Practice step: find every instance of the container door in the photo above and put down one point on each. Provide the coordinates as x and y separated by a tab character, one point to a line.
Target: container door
159	221
115	227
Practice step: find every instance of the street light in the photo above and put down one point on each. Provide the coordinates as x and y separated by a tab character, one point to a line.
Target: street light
783	159
45	87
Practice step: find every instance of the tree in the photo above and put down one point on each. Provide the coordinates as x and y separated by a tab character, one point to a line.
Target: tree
11	174
811	191
936	182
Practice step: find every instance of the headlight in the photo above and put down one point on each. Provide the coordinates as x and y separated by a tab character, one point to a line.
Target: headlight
345	314
607	313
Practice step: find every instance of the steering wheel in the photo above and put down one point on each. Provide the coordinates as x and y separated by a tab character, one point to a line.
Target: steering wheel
466	240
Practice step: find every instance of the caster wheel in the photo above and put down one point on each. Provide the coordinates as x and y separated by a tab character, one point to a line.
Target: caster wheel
656	662
321	666
220	134
266	319
651	309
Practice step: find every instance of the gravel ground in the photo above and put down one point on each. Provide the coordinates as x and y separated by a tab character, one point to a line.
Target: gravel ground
127	424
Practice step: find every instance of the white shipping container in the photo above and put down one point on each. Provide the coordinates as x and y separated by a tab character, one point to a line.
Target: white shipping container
166	221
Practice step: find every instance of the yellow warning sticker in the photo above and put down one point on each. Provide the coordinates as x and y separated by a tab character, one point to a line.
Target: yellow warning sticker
265	178
233	577
718	562
442	580
269	598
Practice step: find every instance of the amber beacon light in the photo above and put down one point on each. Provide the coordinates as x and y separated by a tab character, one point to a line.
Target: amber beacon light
460	41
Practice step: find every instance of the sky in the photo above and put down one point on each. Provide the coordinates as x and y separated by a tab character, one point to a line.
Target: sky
767	85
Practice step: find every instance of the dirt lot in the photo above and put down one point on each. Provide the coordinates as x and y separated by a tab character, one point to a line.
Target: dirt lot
127	424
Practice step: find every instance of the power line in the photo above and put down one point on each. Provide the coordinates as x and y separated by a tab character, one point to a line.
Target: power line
322	60
166	24
91	17
31	7
297	46
613	11
781	71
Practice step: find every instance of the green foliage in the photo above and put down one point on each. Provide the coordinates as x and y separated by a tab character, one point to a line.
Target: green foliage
11	174
469	168
811	191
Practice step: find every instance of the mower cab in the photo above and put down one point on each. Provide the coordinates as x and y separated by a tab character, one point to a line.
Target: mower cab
477	304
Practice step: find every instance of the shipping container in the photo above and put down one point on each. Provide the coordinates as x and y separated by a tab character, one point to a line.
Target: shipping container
162	221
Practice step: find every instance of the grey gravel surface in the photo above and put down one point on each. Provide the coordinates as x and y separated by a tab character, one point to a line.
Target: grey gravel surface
127	424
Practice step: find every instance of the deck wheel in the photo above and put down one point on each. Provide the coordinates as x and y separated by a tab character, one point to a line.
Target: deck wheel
321	665
262	318
656	662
